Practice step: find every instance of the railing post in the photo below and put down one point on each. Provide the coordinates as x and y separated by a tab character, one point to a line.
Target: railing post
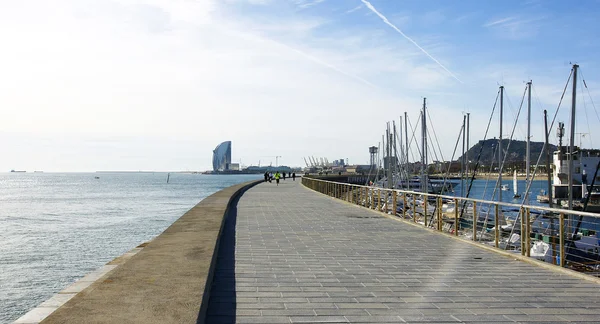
425	210
404	206
414	209
523	231
379	205
348	192
456	224
366	192
394	202
562	255
439	218
528	227
496	229
474	221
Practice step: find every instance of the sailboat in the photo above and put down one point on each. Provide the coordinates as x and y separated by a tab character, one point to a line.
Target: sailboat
515	187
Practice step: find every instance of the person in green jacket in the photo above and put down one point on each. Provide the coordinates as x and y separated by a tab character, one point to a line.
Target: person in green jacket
277	176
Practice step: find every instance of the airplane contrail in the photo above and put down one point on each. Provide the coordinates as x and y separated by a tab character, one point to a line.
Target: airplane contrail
385	20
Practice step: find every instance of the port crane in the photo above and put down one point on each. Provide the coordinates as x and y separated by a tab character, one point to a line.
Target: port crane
277	157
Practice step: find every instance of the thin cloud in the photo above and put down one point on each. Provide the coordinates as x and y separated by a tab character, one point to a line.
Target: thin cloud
328	65
385	20
499	21
303	4
515	27
353	9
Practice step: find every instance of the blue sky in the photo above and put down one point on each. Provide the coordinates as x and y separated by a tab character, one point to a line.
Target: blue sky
157	84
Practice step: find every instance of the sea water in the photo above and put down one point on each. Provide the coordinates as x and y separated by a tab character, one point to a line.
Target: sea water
57	227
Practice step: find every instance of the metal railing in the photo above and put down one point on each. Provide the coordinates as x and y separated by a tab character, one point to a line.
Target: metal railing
539	232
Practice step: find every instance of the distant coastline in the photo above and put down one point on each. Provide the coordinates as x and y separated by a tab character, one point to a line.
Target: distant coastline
194	172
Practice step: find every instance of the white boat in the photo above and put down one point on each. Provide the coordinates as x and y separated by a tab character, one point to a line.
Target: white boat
504	187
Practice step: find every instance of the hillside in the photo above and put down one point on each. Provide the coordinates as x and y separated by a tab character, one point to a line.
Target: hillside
516	152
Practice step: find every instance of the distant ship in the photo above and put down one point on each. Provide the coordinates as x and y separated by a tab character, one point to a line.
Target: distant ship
17	171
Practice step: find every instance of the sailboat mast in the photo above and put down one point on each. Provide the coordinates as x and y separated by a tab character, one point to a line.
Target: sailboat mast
402	165
548	170
406	140
389	153
500	144
468	147
572	139
396	167
528	149
424	147
462	160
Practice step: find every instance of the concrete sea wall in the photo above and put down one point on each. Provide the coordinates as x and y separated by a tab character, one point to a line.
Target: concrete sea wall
164	281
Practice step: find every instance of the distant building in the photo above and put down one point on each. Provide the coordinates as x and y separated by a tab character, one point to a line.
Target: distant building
263	169
222	157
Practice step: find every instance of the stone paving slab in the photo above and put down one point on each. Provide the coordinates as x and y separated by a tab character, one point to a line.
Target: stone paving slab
291	255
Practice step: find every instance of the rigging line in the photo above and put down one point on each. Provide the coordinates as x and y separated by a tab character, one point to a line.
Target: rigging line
589	94
401	170
432	146
559	103
478	157
512	110
435	135
587	120
549	130
413	137
512	133
452	159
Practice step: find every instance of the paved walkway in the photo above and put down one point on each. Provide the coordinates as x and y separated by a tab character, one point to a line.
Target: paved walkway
292	255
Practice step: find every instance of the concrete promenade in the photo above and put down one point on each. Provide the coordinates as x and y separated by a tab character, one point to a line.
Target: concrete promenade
291	255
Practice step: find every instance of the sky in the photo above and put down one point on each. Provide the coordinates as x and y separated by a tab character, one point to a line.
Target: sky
90	85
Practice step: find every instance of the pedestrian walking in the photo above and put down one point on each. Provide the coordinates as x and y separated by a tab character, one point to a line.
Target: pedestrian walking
266	176
277	176
284	176
294	176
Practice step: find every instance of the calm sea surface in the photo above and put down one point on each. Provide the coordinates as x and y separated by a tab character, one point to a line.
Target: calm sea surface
57	227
